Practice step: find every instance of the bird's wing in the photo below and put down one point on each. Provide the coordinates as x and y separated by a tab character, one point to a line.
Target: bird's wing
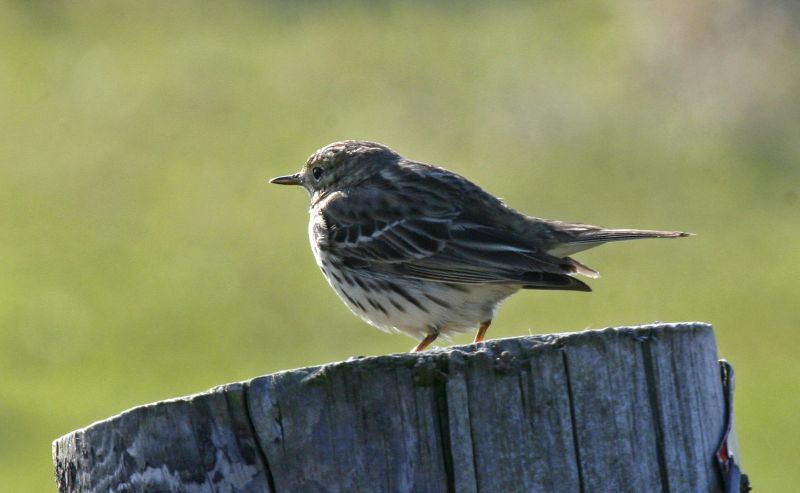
401	240
477	253
363	225
443	245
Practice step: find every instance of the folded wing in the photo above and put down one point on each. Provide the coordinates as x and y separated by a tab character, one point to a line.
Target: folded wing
441	247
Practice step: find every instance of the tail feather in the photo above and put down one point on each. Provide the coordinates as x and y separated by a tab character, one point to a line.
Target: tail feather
582	269
578	237
548	280
605	235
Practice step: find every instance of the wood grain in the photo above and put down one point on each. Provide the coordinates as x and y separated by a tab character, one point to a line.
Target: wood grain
620	409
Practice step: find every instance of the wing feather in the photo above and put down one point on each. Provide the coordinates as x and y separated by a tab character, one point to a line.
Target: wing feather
447	247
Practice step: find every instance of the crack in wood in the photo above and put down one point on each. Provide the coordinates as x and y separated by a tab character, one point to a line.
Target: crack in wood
261	453
573	420
657	419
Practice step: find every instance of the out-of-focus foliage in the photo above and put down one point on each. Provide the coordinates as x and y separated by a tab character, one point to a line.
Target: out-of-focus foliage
143	256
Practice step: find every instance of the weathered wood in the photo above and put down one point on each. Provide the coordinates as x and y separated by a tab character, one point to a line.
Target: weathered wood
623	409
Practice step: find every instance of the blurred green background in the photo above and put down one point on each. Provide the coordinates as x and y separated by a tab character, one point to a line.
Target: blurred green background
143	256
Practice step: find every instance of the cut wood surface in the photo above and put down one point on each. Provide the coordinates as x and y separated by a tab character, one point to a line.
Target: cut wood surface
620	409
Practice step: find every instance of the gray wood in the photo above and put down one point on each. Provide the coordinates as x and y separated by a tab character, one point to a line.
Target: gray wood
202	443
621	409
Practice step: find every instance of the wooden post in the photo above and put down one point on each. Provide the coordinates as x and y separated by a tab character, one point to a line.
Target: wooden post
621	409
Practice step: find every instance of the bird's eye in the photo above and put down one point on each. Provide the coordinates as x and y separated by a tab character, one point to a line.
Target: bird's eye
317	172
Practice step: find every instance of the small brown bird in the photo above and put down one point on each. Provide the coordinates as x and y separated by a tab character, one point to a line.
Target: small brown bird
419	250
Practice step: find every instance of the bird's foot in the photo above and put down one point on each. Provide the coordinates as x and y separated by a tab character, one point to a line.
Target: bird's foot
424	343
482	331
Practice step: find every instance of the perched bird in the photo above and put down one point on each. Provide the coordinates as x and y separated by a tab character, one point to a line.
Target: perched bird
417	249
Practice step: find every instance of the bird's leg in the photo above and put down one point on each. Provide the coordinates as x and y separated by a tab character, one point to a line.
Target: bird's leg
482	331
425	343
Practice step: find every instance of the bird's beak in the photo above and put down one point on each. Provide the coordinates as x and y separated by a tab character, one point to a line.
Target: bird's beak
287	180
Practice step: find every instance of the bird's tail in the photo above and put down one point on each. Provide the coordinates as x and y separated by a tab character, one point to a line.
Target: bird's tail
606	235
579	237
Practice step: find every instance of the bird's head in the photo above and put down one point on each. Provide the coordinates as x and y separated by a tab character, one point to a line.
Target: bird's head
341	165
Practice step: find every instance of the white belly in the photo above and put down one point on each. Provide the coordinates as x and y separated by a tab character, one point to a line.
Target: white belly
418	308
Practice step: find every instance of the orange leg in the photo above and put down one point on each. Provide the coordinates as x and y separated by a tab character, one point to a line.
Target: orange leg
425	343
482	331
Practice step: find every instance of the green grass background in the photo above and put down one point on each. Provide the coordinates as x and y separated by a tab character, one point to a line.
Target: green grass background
143	256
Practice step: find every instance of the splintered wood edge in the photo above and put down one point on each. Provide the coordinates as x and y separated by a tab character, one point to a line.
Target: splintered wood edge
494	346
